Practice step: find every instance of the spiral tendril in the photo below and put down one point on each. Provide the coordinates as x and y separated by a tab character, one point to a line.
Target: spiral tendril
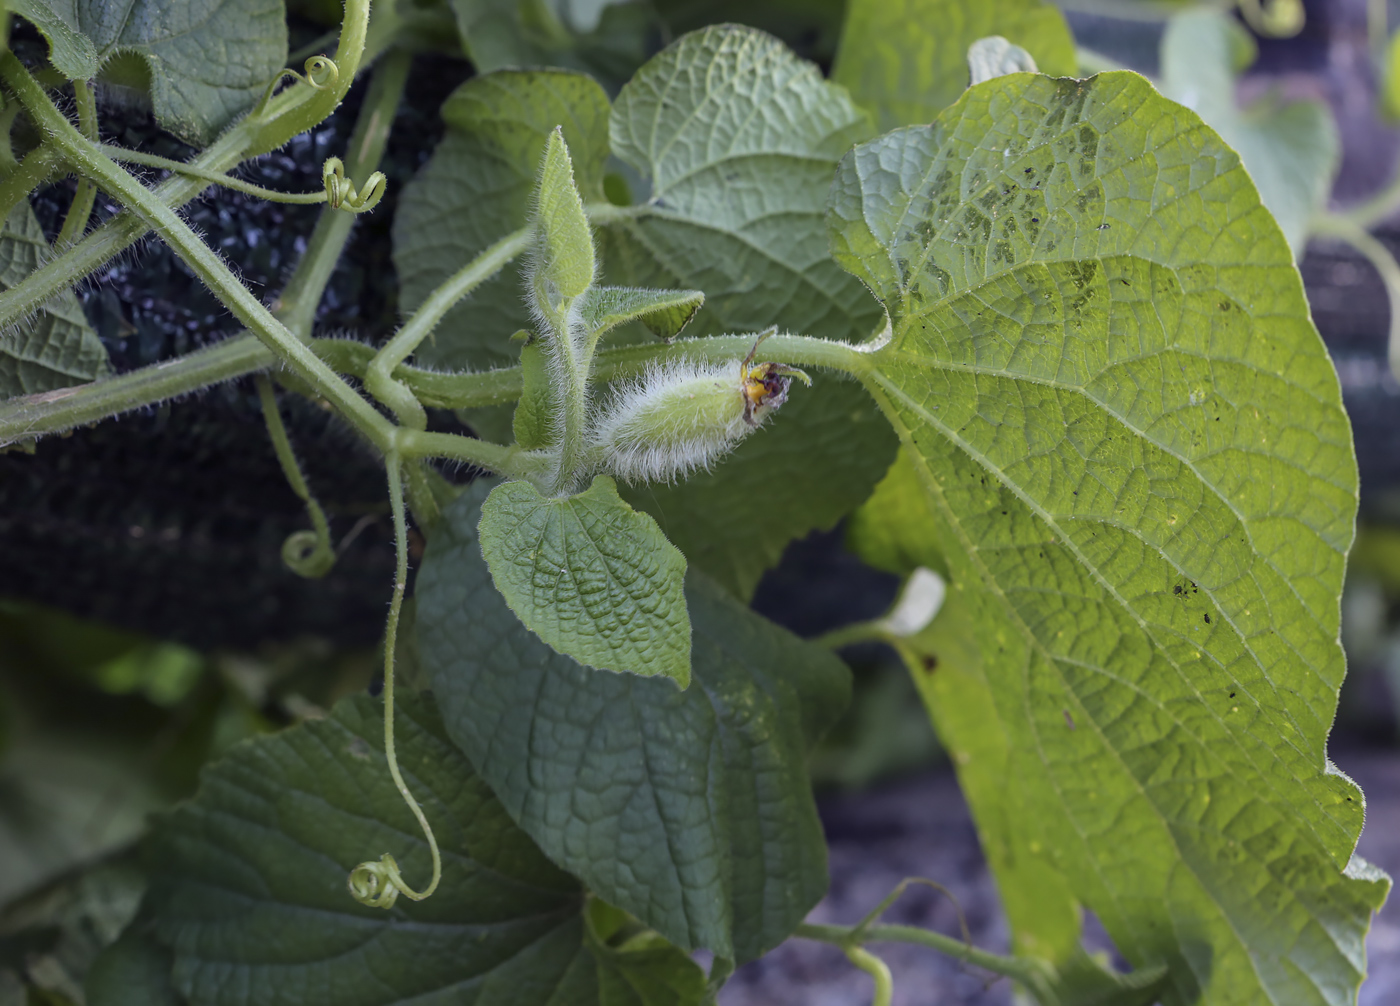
341	193
321	73
306	553
379	885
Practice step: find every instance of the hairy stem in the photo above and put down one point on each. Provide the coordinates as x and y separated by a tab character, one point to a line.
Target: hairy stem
213	177
378	377
36	168
317	559
75	223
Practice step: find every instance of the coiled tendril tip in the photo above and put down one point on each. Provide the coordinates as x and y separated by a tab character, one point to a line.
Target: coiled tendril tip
378	885
341	193
321	73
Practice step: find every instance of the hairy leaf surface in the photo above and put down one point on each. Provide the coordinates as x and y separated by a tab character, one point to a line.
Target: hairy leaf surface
906	60
1290	148
56	348
689	809
204	61
1139	471
251	894
592	577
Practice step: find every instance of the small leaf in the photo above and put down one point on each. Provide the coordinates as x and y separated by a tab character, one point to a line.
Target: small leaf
204	61
503	33
56	348
533	423
71	52
1139	472
476	189
907	60
689	809
663	312
595	579
250	891
565	246
994	56
1290	148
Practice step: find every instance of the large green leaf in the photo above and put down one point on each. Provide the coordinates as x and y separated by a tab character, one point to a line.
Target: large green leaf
250	886
476	189
203	61
689	809
592	577
1141	477
57	347
1290	148
503	33
906	60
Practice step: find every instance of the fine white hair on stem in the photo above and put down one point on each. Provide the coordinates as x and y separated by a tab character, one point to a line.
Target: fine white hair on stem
679	417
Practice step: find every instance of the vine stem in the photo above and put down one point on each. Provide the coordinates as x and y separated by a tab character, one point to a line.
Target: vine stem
36	168
1016	968
318	560
379	375
379	884
76	220
214	177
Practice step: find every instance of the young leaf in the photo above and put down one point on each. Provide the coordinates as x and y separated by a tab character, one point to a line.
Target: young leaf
663	312
503	33
204	61
689	809
250	892
565	245
133	971
477	189
1141	477
592	577
994	56
533	422
906	60
1290	148
57	348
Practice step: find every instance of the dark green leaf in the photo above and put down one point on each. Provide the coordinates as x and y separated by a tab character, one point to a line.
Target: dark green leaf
204	61
56	348
71	52
663	312
134	971
1140	474
250	890
691	810
476	189
906	60
592	577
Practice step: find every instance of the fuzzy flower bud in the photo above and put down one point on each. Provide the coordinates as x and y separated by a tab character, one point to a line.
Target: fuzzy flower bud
686	415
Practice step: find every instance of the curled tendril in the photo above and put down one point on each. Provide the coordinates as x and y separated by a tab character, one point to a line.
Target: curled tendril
306	553
379	884
321	73
309	553
341	192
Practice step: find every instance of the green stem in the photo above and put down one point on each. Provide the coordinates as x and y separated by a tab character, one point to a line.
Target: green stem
306	553
76	221
1342	228
511	461
876	969
379	884
120	233
36	168
299	299
379	379
860	632
213	177
87	158
1025	971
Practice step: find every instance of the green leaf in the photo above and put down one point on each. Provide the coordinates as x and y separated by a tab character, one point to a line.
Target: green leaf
56	348
503	33
1141	477
133	971
689	809
994	56
205	62
565	246
883	530
250	892
71	52
533	422
476	189
1290	148
739	216
663	312
592	577
906	60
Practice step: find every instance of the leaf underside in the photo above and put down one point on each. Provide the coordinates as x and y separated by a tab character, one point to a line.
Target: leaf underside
57	348
250	892
1139	472
690	809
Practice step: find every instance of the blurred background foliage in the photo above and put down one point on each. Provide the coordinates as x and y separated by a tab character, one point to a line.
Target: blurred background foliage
147	622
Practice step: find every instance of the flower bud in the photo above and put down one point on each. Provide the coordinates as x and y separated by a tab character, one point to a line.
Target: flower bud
686	415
